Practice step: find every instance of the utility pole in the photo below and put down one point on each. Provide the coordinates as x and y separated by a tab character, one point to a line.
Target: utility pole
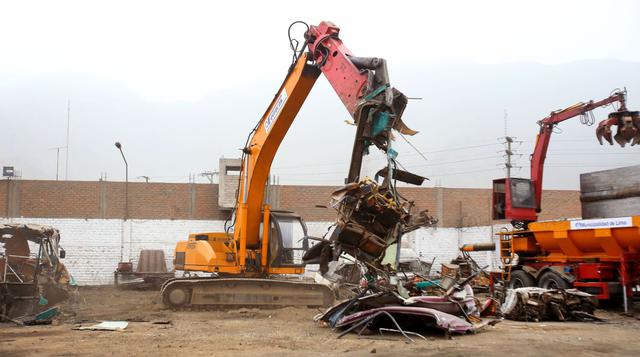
209	175
57	149
66	163
509	151
57	161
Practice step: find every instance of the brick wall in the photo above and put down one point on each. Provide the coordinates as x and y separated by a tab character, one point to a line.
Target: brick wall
454	207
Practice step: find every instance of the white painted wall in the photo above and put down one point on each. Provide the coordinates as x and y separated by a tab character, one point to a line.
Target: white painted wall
94	246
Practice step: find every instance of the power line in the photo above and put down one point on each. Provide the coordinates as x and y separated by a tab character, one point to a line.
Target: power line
402	154
414	148
465	172
454	162
405	165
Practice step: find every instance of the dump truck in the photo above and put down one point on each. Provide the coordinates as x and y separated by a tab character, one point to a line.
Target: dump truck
599	254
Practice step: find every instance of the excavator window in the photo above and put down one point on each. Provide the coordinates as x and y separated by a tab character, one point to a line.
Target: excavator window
522	193
288	240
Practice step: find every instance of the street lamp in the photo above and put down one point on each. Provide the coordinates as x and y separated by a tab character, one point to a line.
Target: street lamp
126	185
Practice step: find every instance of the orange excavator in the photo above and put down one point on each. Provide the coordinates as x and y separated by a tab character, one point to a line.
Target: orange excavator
251	259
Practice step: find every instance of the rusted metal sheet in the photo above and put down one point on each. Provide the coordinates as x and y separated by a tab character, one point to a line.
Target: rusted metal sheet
610	193
378	312
151	271
417	315
151	261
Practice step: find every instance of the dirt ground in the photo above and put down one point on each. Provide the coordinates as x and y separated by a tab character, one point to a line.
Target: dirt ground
289	331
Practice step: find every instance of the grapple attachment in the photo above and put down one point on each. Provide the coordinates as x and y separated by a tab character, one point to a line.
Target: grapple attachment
628	123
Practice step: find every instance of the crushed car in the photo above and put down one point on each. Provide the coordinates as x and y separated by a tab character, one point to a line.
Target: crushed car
538	304
372	217
33	280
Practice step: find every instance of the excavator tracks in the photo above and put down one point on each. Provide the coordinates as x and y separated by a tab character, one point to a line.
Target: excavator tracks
181	293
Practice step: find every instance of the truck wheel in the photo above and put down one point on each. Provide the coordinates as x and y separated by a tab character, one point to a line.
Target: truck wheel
521	279
551	280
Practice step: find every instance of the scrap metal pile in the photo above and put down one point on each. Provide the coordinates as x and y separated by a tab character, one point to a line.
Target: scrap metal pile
365	247
371	218
410	306
33	280
538	304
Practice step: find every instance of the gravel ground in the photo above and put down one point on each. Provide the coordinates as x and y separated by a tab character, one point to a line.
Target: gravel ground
289	331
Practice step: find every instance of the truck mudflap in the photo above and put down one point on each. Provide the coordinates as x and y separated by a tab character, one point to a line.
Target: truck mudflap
227	292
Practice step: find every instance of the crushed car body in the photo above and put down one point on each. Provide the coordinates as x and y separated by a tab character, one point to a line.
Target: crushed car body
33	280
538	304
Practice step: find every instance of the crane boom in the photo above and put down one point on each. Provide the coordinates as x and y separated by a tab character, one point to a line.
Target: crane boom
546	129
520	200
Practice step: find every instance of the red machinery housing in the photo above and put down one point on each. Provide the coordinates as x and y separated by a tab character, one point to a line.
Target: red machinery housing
519	199
601	257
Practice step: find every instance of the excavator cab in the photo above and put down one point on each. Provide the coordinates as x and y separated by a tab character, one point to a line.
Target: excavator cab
216	252
287	240
514	199
234	285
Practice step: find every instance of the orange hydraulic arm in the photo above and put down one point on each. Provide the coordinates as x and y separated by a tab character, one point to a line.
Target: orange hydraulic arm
362	85
261	150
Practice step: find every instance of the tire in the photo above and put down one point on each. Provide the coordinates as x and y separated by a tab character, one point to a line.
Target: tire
521	279
552	280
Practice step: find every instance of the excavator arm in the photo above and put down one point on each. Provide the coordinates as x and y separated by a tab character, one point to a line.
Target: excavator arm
362	84
262	241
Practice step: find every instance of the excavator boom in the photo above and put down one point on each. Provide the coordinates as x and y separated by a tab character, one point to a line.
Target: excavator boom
263	242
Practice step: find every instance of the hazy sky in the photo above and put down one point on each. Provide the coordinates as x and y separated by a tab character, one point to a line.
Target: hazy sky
181	83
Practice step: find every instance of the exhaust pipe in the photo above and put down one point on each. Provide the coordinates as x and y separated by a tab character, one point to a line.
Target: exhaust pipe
478	247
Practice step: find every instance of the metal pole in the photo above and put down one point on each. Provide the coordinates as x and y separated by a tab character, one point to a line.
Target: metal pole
623	272
126	185
57	161
8	189
66	163
509	152
126	189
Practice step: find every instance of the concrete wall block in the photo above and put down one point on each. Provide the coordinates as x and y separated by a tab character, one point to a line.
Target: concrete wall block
94	246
